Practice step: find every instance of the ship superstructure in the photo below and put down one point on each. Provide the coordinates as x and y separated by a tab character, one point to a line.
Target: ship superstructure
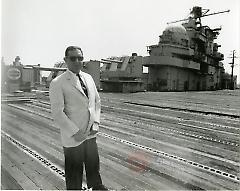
123	74
186	57
92	67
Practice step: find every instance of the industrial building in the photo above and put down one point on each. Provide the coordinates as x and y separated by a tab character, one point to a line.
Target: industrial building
19	77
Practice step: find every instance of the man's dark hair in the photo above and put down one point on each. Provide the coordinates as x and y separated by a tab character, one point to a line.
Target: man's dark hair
70	48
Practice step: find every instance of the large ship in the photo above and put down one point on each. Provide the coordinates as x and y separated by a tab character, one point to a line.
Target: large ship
123	74
185	58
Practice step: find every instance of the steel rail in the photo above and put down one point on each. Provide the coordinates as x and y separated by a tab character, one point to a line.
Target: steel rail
170	108
155	151
180	123
170	117
189	120
57	170
201	153
34	154
198	136
194	135
174	157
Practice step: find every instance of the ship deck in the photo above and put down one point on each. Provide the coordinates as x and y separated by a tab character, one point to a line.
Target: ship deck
147	141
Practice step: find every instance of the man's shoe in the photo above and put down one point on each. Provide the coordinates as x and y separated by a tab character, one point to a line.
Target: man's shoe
100	187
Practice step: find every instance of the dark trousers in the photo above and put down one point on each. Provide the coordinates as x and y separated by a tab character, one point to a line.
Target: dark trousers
75	157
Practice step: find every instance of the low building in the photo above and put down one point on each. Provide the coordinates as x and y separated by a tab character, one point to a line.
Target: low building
227	80
19	77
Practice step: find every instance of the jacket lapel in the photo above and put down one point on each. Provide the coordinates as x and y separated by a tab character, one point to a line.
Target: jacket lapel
73	82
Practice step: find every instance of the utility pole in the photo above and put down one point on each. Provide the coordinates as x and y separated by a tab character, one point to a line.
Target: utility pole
232	65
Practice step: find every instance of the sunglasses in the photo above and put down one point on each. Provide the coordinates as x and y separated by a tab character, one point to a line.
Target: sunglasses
75	58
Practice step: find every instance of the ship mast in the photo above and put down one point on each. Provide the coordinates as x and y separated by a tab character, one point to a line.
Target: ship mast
197	13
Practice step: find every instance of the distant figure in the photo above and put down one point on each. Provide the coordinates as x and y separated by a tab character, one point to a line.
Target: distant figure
17	62
75	105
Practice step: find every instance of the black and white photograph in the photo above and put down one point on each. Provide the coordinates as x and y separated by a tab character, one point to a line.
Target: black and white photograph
120	95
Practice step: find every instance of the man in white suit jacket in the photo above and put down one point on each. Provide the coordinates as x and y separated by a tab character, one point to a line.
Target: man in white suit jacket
75	105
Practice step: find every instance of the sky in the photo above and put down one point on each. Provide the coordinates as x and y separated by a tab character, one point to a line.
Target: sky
40	30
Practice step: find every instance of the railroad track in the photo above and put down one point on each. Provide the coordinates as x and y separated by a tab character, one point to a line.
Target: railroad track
171	130
176	120
44	106
172	111
208	169
234	126
188	102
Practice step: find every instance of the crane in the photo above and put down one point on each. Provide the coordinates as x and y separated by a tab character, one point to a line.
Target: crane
198	13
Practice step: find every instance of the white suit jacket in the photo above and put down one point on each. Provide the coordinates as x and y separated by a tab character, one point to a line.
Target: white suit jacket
71	108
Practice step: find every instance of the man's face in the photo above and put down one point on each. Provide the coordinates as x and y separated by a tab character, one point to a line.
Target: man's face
74	61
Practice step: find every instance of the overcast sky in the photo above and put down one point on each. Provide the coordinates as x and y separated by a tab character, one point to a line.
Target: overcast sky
39	30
